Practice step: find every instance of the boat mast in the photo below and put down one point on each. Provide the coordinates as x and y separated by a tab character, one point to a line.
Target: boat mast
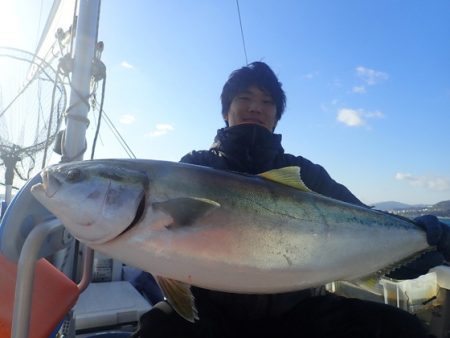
74	144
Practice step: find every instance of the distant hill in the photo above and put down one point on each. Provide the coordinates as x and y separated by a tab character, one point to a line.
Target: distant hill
393	205
444	205
441	209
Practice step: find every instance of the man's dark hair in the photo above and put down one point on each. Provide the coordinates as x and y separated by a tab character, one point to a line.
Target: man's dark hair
256	74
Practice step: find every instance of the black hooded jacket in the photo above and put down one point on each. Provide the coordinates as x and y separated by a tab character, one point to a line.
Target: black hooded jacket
253	149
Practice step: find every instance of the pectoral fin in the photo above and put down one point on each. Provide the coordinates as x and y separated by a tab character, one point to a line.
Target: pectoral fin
185	210
289	176
180	297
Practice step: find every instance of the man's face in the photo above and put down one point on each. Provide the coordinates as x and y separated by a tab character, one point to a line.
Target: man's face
253	106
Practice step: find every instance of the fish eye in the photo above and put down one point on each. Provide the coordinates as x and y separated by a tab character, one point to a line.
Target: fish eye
74	175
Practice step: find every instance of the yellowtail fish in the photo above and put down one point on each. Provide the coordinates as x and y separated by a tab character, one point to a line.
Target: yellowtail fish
193	225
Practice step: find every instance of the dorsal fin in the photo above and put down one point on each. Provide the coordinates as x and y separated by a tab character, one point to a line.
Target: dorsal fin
289	176
180	297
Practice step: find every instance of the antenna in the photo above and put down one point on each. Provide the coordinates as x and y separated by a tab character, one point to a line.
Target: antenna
242	32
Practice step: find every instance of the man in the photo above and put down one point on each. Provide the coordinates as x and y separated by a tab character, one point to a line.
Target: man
253	102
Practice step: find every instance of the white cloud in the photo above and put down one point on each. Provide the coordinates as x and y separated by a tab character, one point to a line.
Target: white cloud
161	129
126	65
359	89
370	76
438	183
127	119
356	117
350	117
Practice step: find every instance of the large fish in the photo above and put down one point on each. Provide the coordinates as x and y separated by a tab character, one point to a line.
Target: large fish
193	225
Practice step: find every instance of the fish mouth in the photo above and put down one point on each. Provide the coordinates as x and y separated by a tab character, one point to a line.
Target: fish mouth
50	183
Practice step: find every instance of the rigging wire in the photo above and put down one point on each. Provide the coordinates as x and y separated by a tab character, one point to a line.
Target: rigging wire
73	27
42	67
118	136
97	130
39	114
242	32
48	139
98	73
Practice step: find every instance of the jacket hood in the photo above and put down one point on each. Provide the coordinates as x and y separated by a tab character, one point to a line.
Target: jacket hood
254	148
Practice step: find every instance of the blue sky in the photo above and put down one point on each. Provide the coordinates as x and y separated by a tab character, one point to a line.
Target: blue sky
367	83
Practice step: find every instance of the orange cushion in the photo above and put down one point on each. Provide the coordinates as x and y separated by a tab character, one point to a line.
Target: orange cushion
53	296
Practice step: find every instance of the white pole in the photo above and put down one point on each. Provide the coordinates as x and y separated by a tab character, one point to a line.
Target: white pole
25	276
85	42
8	193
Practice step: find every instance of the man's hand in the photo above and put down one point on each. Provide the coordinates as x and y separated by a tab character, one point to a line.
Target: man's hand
438	233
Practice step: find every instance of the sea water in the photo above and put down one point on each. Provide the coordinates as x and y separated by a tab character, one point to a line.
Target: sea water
445	220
